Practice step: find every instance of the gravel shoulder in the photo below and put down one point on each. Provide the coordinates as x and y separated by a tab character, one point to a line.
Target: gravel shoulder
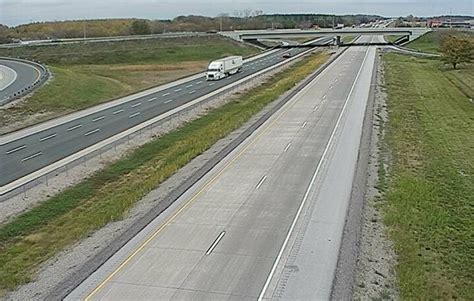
365	269
375	277
71	260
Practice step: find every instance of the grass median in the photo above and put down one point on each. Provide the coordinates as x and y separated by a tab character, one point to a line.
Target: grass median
62	220
429	190
87	74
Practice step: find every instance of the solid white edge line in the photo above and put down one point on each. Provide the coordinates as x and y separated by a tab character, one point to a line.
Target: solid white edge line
124	100
15	76
313	179
214	244
38	173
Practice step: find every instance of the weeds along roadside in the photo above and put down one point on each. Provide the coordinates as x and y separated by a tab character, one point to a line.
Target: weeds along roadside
39	234
428	199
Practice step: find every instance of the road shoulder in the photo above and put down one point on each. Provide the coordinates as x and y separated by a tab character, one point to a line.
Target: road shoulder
367	259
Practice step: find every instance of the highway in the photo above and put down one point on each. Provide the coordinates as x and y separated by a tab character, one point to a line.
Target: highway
52	42
16	76
26	151
7	77
267	221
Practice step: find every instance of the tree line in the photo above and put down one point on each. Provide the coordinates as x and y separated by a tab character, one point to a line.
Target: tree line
239	20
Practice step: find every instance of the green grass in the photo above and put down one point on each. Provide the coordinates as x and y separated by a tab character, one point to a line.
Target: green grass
431	41
169	50
72	89
88	74
347	39
429	194
391	38
37	235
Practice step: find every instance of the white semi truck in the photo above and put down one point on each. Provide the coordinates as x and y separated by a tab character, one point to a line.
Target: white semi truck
224	67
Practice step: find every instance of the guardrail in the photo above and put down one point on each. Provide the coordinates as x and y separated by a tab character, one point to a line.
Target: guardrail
22	185
44	76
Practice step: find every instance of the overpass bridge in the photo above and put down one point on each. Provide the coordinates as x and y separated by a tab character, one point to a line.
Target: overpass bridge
254	35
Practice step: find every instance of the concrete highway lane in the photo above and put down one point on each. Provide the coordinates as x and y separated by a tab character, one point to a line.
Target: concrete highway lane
25	76
230	236
22	155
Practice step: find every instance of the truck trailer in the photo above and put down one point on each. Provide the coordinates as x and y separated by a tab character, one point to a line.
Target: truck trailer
224	67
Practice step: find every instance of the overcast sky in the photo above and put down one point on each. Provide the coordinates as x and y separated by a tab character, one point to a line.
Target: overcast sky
14	12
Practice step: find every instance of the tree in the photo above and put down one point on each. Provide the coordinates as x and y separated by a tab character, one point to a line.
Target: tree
140	27
456	50
4	34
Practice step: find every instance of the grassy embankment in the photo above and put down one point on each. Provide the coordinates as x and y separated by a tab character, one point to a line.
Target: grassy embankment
391	39
429	191
431	41
33	237
88	74
347	39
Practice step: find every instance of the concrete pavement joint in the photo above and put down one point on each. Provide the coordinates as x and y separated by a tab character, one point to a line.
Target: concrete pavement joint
313	179
61	290
34	175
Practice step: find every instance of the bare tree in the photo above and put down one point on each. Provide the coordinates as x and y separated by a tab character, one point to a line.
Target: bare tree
247	13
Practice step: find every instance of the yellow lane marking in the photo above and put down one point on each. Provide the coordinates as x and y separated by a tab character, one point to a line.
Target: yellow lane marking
186	205
190	201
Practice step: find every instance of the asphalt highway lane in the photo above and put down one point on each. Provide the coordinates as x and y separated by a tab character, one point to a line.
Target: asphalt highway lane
227	237
19	157
26	75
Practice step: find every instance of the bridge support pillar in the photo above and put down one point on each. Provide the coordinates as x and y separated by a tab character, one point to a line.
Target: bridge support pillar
337	40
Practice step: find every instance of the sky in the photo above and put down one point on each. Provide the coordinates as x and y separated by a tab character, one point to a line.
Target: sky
14	12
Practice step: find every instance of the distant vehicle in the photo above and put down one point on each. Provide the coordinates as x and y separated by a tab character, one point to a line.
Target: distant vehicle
211	31
286	55
339	26
224	67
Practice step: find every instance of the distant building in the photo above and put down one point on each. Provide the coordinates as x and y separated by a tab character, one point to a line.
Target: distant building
450	23
435	23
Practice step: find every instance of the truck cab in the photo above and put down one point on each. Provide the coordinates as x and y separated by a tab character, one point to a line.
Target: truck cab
215	71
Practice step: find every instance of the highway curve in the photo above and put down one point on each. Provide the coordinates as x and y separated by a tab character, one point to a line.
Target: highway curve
18	78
